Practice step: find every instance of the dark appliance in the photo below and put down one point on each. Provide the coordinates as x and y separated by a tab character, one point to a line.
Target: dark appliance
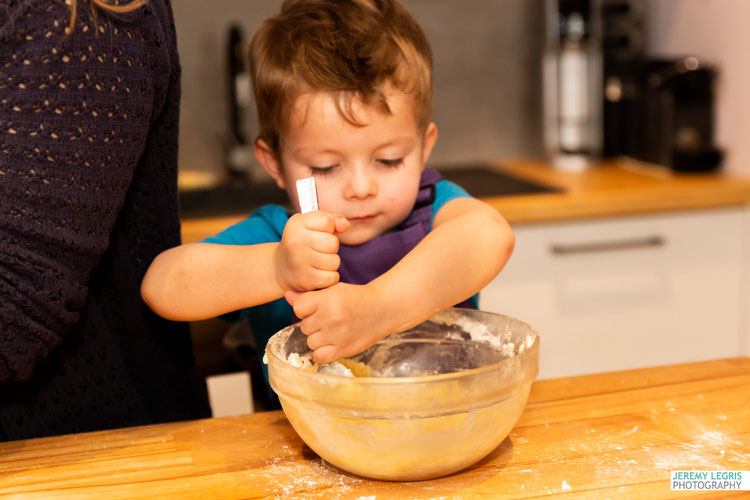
655	110
623	44
676	116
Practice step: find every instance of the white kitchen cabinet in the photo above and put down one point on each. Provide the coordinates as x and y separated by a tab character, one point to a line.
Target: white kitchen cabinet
628	292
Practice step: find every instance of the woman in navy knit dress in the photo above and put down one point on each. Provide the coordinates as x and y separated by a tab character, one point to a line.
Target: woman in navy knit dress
89	96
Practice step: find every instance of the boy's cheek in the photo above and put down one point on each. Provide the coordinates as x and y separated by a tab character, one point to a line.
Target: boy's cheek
327	204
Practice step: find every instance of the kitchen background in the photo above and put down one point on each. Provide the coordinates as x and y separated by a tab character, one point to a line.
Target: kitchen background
488	74
596	311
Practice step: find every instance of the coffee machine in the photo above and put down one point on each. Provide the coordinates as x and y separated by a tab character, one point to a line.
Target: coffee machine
605	97
654	109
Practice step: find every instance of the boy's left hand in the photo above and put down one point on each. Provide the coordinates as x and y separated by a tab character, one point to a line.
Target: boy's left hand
339	321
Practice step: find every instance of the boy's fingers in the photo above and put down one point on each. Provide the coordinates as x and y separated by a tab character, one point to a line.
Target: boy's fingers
314	340
341	223
304	305
309	328
291	297
324	242
315	279
324	279
318	221
326	262
325	354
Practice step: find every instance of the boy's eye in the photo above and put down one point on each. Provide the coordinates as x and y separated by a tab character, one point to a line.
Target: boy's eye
391	163
322	170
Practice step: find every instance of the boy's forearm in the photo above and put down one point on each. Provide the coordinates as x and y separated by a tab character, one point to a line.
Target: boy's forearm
449	265
202	280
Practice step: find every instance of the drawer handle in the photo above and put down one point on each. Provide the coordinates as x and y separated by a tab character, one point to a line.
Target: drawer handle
608	246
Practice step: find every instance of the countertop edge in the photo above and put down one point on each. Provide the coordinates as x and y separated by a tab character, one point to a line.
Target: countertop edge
618	188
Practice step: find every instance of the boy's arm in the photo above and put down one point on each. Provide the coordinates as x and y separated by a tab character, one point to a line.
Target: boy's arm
203	280
468	246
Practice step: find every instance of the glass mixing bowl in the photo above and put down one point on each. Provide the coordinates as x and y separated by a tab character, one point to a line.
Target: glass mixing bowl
440	396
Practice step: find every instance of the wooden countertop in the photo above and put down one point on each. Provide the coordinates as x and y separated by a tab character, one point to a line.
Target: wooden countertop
623	187
607	435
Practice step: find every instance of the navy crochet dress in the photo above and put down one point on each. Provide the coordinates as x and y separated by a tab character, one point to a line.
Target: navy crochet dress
88	197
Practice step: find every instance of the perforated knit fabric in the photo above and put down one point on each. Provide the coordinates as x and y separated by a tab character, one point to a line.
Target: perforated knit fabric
88	135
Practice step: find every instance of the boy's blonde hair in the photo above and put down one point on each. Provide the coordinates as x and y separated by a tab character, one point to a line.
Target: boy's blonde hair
350	48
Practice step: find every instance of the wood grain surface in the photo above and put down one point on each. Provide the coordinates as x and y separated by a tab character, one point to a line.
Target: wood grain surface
613	435
622	187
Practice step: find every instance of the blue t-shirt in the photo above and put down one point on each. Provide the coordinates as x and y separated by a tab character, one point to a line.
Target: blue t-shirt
266	225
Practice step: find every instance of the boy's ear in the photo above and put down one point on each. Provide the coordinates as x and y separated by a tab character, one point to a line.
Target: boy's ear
270	161
430	137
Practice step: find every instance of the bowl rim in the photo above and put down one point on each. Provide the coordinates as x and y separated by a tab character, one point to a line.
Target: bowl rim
416	379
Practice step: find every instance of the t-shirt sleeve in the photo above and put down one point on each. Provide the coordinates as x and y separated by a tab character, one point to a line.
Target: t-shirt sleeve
446	191
265	225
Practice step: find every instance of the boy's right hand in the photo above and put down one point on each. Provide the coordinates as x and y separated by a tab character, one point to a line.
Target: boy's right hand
306	258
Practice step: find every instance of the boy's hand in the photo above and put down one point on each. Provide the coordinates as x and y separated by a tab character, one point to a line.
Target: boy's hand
306	258
340	321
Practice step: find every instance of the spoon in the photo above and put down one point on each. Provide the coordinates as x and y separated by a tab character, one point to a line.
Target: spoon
297	341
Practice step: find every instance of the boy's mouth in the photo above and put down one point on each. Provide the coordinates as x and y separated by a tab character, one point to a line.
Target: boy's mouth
361	218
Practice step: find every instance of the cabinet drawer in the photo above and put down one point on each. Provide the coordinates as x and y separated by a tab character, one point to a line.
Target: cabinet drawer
621	293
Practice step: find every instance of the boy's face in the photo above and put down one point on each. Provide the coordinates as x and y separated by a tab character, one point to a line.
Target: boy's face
370	174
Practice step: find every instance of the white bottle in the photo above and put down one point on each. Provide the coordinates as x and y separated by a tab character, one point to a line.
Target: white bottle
572	95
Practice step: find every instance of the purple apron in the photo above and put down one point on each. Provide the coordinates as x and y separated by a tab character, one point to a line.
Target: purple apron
361	264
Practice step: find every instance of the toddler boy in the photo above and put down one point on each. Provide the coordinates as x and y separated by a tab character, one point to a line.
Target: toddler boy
344	93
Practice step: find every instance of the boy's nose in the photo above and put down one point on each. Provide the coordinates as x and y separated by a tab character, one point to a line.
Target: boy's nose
361	185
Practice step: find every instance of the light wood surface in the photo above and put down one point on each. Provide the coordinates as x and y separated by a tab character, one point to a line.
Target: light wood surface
614	435
622	187
197	229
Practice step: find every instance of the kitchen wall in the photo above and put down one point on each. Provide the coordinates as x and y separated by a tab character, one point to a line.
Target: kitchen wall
717	31
487	76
